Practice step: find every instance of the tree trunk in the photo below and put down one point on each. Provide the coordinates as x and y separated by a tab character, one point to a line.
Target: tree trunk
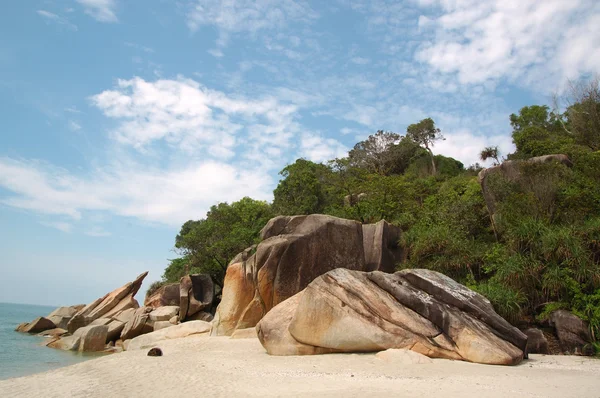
432	161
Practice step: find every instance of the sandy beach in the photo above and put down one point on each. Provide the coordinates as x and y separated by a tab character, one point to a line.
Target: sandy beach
219	366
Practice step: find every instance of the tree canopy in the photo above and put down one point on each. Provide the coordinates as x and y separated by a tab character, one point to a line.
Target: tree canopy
542	253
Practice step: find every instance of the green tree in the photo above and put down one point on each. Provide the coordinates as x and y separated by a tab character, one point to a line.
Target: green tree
209	245
583	114
374	154
490	152
425	133
303	189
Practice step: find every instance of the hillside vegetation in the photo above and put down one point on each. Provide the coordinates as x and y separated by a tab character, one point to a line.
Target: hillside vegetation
540	251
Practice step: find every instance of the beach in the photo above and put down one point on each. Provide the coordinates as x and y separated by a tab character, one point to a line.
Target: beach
220	366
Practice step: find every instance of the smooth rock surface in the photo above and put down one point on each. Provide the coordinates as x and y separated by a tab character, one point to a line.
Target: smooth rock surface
294	251
139	324
164	313
536	341
249	333
62	315
107	306
165	295
93	338
173	332
162	325
38	325
419	310
573	334
196	294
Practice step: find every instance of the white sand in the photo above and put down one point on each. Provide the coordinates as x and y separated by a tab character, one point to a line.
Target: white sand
201	366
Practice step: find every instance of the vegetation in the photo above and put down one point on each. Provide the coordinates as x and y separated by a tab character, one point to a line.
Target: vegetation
542	253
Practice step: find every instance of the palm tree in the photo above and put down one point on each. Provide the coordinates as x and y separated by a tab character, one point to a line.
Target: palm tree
490	152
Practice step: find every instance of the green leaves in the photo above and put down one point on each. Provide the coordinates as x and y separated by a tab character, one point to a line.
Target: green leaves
208	245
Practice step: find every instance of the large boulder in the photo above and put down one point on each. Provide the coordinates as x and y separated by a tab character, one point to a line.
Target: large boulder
164	313
107	306
93	338
62	315
572	332
90	338
165	295
536	341
172	332
294	251
420	310
196	294
139	324
38	325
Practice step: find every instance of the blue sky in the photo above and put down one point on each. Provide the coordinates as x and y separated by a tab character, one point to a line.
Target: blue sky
120	120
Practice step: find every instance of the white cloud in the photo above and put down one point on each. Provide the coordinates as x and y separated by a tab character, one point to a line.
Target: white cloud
360	60
528	42
61	226
134	190
247	16
317	148
51	17
72	109
100	10
186	114
215	52
464	145
194	147
74	126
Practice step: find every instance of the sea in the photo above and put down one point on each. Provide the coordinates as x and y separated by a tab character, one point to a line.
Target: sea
23	354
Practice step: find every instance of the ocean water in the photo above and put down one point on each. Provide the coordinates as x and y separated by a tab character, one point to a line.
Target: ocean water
22	354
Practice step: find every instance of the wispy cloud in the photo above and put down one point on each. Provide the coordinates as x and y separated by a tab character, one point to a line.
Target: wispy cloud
100	10
526	42
145	49
61	226
74	126
57	19
187	115
72	109
247	16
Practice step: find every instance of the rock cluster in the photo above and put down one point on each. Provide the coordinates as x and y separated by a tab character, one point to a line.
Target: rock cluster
419	310
117	317
294	251
194	295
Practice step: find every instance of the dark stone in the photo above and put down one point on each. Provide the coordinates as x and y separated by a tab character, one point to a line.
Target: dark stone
155	352
196	293
572	332
536	341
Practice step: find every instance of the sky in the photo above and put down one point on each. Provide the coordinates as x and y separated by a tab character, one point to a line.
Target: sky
122	119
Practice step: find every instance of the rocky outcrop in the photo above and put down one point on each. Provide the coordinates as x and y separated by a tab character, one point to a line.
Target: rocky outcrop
38	325
93	338
164	313
164	296
420	310
510	170
173	332
107	306
62	315
90	338
196	294
139	324
536	341
58	332
573	333
294	251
